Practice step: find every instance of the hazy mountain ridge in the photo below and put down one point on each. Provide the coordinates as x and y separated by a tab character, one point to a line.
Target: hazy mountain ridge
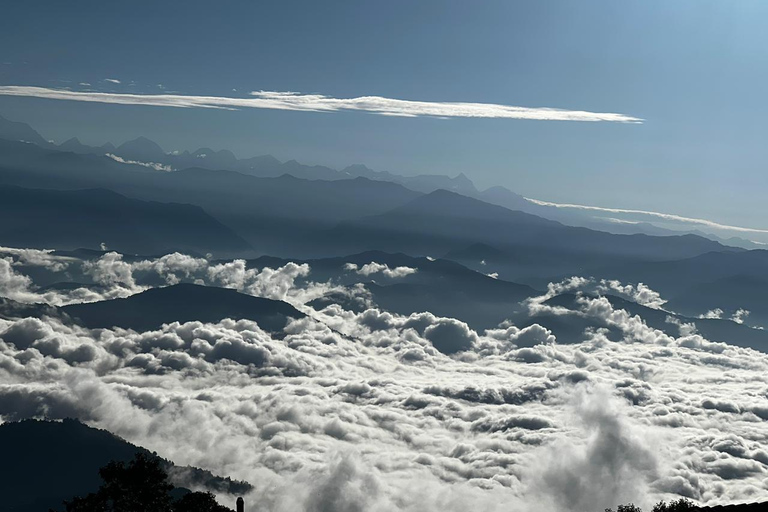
302	218
145	151
442	221
69	219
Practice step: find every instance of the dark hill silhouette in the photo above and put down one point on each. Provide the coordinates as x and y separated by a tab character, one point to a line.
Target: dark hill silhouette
183	303
46	462
87	218
570	329
10	309
141	149
442	287
740	507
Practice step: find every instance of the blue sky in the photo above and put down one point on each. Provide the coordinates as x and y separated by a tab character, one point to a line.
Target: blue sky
694	71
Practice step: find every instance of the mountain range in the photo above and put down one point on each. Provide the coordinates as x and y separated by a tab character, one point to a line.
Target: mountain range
142	152
229	207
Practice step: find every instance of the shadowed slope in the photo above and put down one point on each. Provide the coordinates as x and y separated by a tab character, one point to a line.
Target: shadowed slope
46	462
87	218
182	303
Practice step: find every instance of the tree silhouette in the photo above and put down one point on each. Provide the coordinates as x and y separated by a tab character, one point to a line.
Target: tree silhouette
142	485
629	507
681	505
198	502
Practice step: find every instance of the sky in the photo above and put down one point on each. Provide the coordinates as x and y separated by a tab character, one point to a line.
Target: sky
693	72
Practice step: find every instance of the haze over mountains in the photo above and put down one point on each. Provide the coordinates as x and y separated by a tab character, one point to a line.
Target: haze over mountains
280	203
230	207
144	152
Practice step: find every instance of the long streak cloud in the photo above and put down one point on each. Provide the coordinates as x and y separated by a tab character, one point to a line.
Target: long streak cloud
320	103
664	216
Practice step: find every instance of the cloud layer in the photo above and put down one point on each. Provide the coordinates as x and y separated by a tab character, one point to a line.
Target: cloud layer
319	103
370	411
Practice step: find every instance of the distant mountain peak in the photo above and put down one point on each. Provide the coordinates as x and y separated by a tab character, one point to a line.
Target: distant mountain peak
142	149
16	131
358	169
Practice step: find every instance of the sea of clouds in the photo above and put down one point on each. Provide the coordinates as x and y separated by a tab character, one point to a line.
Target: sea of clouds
366	410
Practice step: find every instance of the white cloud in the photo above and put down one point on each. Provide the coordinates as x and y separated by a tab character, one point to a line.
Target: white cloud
13	284
614	465
716	313
658	215
642	294
320	103
740	315
376	268
112	80
360	412
151	165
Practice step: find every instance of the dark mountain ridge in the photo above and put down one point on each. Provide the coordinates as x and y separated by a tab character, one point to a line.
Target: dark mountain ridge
183	302
53	461
70	219
442	287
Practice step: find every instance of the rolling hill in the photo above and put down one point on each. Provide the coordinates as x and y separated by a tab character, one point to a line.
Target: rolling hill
182	303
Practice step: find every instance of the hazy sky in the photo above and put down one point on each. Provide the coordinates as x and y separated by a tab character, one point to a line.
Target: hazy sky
694	71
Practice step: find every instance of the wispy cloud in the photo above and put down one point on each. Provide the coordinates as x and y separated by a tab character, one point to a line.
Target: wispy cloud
664	216
152	165
320	103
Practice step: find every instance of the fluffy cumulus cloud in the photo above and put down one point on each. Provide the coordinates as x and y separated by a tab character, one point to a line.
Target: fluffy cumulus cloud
641	293
373	268
111	275
368	410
